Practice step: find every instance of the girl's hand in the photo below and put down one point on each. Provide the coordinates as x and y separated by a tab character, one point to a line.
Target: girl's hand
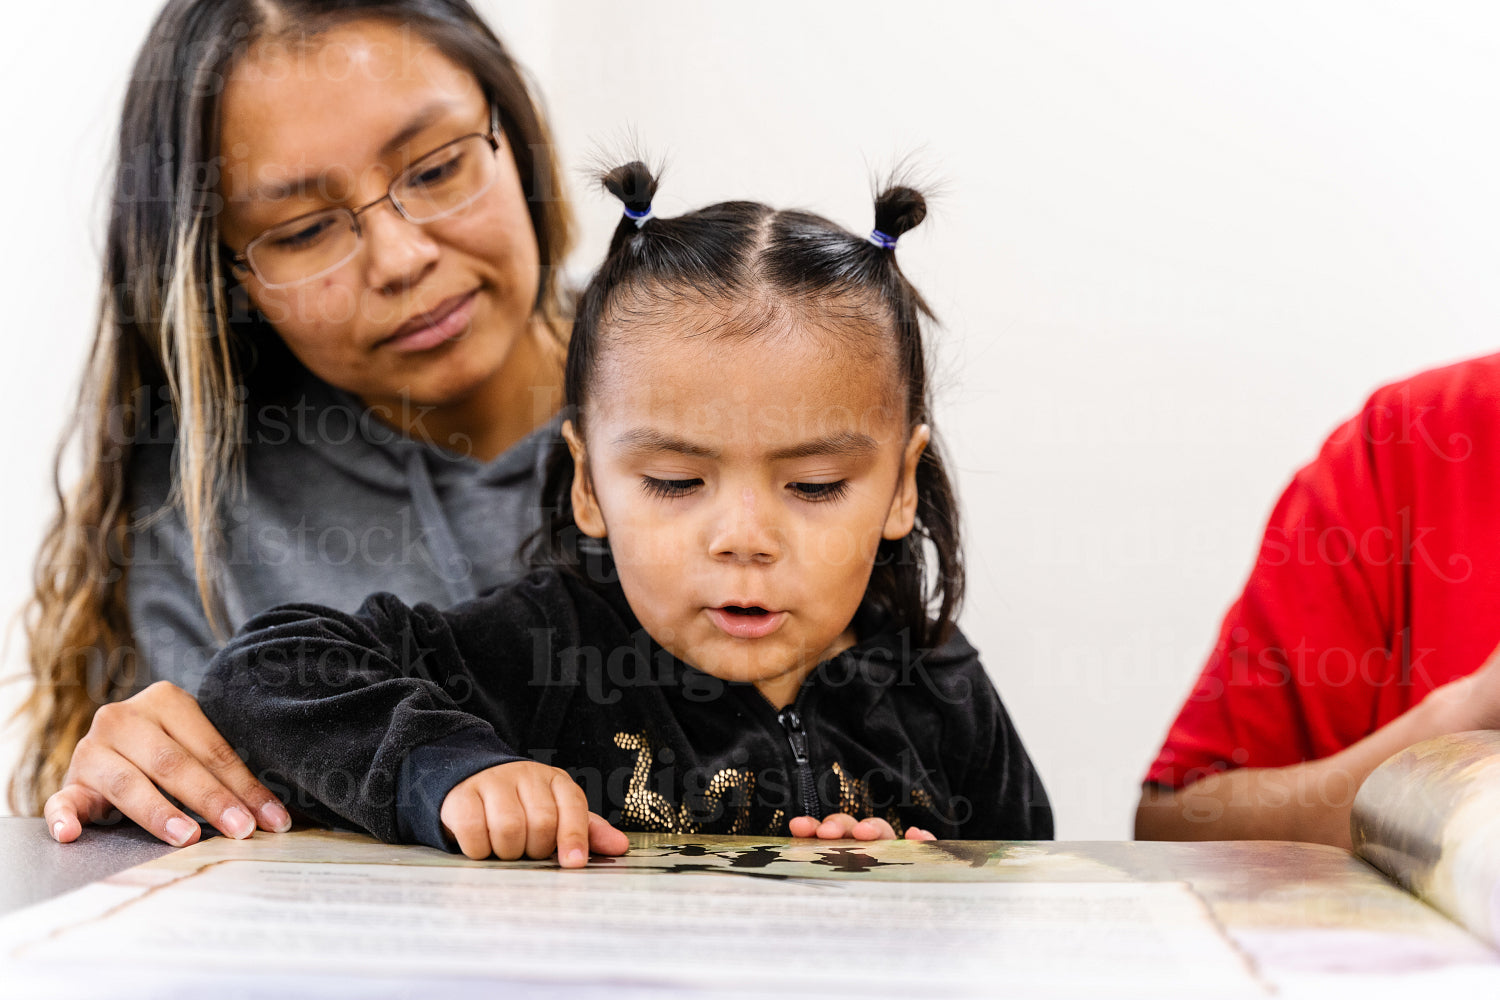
530	809
160	741
842	826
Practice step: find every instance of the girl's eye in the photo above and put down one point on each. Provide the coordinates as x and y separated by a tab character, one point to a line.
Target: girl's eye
820	491
668	488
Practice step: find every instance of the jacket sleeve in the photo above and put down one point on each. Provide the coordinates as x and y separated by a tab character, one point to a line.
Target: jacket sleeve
1005	790
364	720
998	794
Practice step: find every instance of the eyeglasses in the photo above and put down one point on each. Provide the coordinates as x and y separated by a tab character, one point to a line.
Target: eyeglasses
439	184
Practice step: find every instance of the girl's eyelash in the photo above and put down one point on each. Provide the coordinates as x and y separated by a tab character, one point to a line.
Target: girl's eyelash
820	492
814	492
669	488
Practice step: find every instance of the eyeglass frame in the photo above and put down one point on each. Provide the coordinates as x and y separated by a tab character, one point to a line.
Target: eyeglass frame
493	137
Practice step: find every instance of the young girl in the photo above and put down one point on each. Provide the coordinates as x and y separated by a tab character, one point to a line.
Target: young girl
736	620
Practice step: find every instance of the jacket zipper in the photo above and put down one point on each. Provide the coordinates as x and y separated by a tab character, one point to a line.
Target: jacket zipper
796	736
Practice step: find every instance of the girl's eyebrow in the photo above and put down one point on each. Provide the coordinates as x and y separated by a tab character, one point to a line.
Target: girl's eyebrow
424	118
645	440
845	444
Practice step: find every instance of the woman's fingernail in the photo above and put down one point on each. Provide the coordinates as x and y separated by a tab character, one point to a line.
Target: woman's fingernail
275	817
57	829
236	822
179	831
577	857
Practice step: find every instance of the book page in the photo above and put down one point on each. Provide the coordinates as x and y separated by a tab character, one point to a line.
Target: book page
1429	817
736	919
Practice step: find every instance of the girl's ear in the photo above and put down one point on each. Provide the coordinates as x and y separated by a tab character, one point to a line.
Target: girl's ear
903	512
585	508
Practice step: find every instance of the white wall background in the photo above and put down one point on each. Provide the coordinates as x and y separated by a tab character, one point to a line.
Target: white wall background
1176	243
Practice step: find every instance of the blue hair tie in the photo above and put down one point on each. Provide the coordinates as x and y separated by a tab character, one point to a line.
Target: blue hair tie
639	217
881	240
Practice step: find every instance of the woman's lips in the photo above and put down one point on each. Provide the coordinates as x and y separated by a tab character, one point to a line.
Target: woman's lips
746	626
447	321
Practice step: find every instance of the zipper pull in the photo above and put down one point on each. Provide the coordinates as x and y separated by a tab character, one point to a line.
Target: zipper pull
795	734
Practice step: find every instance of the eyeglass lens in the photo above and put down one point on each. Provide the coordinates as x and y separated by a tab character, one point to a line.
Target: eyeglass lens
440	183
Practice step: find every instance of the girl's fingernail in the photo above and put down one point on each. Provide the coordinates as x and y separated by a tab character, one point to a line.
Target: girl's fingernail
179	831
57	829
577	857
275	817
236	822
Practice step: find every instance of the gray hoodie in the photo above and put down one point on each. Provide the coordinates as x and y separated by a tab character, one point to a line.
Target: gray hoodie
333	505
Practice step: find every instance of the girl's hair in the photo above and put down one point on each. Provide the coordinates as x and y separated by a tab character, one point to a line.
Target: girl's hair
738	252
176	331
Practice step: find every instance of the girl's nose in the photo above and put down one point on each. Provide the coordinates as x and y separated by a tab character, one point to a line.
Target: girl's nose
398	252
746	530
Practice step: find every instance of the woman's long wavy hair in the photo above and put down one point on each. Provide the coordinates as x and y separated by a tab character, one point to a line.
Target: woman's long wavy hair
741	251
175	330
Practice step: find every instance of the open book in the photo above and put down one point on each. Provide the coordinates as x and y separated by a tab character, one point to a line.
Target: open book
320	914
1429	818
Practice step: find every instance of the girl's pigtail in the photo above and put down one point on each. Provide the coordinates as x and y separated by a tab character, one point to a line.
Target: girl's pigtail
558	540
898	210
635	185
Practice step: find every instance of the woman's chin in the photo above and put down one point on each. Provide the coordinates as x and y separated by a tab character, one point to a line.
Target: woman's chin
451	374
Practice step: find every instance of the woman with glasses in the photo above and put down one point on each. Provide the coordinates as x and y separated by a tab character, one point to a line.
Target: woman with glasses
328	362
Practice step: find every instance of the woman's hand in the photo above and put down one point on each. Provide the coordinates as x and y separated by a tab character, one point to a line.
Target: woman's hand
160	741
530	809
842	826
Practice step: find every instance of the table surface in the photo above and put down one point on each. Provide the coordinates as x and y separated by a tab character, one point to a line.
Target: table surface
1295	910
36	867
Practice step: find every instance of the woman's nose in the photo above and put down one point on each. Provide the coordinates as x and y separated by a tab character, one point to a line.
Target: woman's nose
398	252
746	530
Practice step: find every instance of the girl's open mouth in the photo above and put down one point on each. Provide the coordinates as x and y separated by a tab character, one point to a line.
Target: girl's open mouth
746	622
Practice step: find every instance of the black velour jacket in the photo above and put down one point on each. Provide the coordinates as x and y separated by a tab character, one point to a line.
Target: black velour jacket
368	720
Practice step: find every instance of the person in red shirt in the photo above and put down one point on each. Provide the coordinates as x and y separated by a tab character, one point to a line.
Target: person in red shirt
1367	624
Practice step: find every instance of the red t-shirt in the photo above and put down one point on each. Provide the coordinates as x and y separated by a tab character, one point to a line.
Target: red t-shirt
1378	580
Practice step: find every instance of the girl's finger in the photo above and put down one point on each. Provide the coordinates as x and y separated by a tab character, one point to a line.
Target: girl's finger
836	827
191	729
505	817
463	815
804	826
912	833
537	798
605	839
873	829
572	822
122	784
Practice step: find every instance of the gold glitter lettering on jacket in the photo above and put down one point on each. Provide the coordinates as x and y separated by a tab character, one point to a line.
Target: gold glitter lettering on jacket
643	806
651	810
919	798
730	794
854	794
722	791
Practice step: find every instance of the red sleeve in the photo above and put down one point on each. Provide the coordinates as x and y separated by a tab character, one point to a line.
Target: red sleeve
1300	655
